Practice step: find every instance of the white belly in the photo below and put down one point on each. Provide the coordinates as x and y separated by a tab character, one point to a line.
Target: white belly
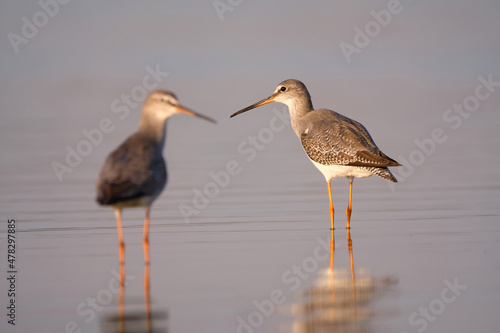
336	171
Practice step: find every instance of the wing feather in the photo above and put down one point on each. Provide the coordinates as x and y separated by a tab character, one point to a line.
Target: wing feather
330	138
133	170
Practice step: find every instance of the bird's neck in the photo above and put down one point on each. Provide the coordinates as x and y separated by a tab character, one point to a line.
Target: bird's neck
298	109
153	127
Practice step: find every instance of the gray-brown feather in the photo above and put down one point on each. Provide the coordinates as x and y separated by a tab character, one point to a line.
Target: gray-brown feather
135	169
382	172
330	138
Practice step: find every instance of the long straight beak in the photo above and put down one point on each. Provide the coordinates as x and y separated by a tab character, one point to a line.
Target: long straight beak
181	109
268	100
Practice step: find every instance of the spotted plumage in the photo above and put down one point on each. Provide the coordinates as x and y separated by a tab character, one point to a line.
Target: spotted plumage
330	138
338	146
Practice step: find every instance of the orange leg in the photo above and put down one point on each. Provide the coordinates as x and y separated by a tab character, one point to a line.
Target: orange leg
332	254
349	247
332	250
146	270
349	207
353	277
121	243
145	242
332	210
147	298
121	303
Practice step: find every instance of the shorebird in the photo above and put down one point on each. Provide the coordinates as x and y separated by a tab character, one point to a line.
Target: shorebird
338	146
135	173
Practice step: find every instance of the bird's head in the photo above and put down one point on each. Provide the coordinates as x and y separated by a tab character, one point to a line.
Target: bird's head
287	92
163	104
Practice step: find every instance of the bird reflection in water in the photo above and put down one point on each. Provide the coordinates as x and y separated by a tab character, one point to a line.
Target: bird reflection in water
134	317
340	300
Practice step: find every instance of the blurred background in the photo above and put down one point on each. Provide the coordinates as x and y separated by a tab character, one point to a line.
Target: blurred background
422	76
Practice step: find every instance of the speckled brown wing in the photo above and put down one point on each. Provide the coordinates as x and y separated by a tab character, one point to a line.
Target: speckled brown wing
330	138
135	169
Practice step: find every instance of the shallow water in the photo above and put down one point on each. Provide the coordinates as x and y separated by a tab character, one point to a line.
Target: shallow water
251	251
263	238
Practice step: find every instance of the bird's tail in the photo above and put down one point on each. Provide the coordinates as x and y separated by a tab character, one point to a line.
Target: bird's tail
384	173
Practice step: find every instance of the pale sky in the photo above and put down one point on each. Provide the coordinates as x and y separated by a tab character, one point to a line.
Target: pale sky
426	38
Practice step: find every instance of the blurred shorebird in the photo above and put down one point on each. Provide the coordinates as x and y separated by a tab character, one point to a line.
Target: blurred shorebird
135	173
336	145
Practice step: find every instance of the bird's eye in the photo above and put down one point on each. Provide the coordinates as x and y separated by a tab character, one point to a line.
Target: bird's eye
283	88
